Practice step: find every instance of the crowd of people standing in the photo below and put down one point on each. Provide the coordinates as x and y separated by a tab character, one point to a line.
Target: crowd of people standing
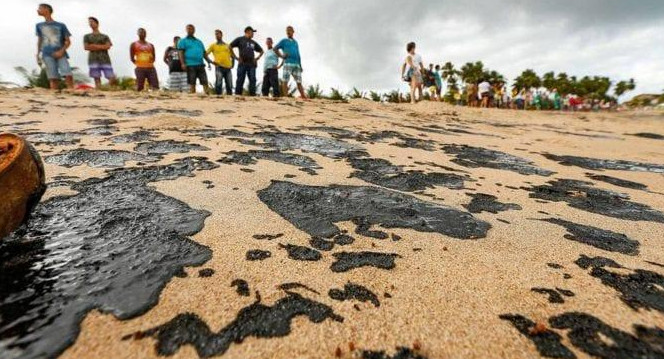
186	59
485	94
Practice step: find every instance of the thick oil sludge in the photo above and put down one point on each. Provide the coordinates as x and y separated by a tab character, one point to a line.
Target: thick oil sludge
112	247
617	182
639	289
353	291
258	255
257	320
598	339
474	157
96	158
597	237
555	295
402	353
383	173
346	261
300	253
241	287
582	195
305	164
54	138
548	343
168	146
134	137
652	136
600	164
487	203
315	210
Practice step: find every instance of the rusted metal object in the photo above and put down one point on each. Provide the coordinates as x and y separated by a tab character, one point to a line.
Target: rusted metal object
22	181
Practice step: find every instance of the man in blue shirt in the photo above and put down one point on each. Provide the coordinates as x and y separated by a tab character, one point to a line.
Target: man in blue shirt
271	68
192	54
52	44
293	64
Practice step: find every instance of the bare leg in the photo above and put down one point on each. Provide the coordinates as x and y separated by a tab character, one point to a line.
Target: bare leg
55	84
413	86
301	89
97	83
69	80
192	88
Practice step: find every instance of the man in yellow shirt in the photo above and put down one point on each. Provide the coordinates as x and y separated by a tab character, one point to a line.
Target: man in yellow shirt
223	61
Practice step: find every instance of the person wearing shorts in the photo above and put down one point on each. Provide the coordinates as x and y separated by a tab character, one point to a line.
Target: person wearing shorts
143	55
192	58
98	44
292	62
177	76
411	72
52	44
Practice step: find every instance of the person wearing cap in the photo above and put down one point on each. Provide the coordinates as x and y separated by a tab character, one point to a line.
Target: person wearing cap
293	64
192	57
247	61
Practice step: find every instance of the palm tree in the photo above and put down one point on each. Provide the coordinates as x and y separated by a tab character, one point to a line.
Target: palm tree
527	79
472	72
549	81
624	86
494	77
564	84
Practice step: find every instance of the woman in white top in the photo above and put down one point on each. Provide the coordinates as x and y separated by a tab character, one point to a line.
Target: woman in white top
411	71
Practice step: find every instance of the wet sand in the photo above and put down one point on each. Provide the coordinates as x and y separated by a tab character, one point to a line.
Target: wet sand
252	228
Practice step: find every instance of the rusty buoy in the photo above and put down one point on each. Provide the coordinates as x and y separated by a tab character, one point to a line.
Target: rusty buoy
22	181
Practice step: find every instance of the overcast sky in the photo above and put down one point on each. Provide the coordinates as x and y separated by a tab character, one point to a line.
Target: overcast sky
346	43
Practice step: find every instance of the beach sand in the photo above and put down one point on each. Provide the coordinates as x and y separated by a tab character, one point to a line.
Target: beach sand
449	284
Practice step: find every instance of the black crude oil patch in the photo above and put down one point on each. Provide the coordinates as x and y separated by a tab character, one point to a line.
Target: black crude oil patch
100	131
168	146
652	136
315	210
300	253
54	138
383	173
364	229
474	157
96	158
346	261
112	246
134	137
640	289
487	203
600	164
206	273
591	336
267	237
402	353
598	339
294	285
555	295
597	237
617	182
156	111
258	255
406	141
548	343
242	287
257	320
353	291
582	195
102	121
305	164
